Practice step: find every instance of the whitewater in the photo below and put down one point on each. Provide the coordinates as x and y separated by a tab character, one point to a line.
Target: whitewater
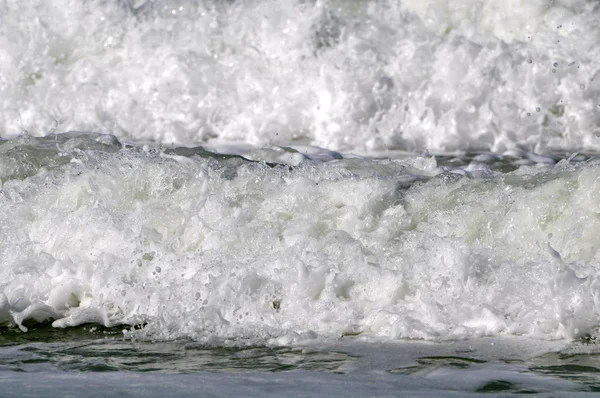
343	75
324	197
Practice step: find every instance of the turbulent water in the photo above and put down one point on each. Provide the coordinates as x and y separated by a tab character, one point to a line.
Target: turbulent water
346	75
183	244
199	186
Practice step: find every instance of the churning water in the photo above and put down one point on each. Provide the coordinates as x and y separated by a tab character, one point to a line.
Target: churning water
299	197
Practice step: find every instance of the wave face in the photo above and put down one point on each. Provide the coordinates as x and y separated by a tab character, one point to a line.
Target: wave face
355	75
186	244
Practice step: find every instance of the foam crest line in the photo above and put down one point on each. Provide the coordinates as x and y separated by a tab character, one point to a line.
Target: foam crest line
214	249
355	76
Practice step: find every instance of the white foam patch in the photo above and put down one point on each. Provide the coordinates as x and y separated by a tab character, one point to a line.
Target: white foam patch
209	250
358	76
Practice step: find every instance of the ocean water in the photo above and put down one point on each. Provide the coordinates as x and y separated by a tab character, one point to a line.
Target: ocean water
299	198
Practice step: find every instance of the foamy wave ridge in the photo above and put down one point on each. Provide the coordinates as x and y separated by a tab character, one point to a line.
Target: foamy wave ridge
212	250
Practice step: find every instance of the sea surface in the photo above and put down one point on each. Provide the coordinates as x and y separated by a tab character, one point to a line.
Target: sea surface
299	198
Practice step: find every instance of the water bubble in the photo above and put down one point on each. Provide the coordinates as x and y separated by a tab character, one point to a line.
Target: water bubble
529	61
538	109
582	86
553	70
528	113
158	269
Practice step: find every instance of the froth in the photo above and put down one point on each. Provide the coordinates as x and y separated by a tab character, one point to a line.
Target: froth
358	76
212	250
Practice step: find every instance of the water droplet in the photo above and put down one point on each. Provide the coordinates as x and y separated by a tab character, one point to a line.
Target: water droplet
538	109
582	86
555	64
529	61
158	269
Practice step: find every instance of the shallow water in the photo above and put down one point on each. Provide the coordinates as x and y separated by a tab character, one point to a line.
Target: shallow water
56	361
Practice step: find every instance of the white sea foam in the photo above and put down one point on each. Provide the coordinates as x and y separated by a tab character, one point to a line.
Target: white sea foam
346	75
205	249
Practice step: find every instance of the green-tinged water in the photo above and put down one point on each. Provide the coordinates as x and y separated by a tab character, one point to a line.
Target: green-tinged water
26	156
476	367
93	348
583	369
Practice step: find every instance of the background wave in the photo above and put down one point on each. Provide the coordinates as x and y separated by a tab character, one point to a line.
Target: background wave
346	75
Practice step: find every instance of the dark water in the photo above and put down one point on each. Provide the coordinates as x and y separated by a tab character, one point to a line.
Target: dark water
55	361
96	349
